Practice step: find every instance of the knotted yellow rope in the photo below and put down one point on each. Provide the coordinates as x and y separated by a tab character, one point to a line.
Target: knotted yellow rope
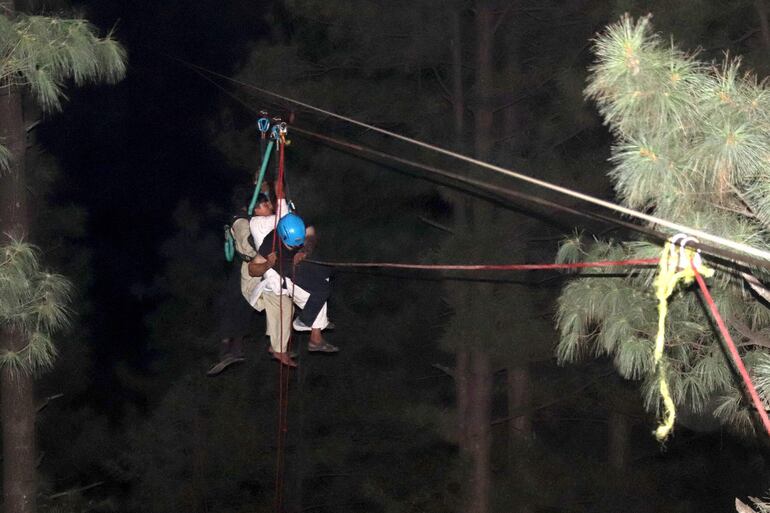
674	267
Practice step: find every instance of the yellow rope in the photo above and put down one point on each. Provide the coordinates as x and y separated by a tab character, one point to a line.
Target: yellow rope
674	267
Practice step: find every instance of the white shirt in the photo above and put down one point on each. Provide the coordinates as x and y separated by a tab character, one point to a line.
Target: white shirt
260	226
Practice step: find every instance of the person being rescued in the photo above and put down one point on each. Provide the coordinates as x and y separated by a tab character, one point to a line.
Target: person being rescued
287	280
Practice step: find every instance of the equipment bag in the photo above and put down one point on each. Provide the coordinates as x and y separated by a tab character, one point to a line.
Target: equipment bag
242	240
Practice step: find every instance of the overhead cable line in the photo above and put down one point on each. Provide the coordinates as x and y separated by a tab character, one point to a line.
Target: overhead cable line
495	267
693	232
499	192
490	191
496	192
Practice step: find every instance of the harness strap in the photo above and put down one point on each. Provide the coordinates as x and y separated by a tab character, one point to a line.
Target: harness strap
229	244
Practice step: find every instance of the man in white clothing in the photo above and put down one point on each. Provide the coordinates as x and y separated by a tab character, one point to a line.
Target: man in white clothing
309	289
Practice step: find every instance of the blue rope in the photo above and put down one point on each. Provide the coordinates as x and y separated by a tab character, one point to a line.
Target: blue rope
265	160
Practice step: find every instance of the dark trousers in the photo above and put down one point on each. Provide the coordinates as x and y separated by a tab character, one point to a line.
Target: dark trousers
314	278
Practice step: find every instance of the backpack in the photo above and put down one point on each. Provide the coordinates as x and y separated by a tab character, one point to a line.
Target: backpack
243	242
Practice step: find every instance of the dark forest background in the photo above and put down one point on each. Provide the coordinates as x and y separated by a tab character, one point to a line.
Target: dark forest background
445	395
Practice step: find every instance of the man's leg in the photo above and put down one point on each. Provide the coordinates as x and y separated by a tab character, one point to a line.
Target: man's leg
315	280
302	298
309	302
279	311
234	317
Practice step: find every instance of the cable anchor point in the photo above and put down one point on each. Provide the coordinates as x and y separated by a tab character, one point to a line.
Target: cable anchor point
686	257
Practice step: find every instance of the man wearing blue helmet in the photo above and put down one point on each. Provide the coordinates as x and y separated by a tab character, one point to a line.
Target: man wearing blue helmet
308	287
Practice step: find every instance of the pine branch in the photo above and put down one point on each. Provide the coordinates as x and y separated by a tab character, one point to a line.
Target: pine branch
752	336
691	143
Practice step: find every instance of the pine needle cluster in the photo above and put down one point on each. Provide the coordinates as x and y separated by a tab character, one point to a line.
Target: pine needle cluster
692	144
33	302
42	53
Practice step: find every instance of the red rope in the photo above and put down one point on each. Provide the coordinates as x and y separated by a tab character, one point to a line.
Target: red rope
733	350
283	374
503	267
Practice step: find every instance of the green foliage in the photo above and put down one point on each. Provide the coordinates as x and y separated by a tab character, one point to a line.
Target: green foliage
691	138
33	302
691	144
42	53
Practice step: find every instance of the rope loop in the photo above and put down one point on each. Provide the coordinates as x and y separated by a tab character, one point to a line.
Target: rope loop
678	263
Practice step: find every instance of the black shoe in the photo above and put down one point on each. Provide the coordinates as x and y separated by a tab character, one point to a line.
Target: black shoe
323	347
222	365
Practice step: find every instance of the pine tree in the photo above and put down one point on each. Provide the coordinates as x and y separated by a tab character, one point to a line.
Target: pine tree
691	145
38	55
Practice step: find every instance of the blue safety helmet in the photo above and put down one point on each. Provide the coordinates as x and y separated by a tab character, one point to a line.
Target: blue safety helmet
291	230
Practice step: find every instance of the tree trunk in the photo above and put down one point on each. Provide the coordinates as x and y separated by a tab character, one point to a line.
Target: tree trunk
17	413
458	96
520	425
483	113
480	431
520	429
618	441
477	219
461	386
17	392
13	204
